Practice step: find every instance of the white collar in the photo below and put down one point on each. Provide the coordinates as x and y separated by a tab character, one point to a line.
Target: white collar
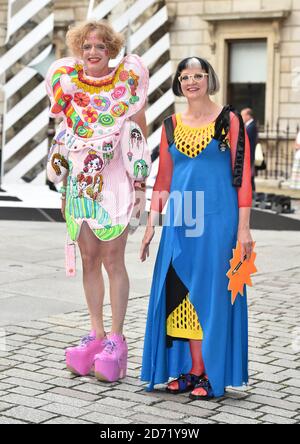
249	122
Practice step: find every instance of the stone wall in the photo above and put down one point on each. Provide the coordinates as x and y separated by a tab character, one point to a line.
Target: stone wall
68	12
276	20
202	26
3	24
3	21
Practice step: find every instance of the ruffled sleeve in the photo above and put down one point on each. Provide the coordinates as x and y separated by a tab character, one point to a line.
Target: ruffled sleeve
245	191
163	181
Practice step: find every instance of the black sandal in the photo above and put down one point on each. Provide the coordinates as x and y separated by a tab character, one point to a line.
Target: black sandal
205	385
186	382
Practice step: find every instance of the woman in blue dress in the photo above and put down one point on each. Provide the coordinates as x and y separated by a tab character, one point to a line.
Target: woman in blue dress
194	334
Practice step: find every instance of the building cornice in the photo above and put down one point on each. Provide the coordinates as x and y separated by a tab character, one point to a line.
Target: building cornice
274	18
253	15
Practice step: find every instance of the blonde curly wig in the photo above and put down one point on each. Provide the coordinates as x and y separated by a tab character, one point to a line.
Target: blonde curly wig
113	40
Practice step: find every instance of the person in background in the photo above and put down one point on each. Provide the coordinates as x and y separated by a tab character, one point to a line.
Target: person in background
251	128
295	178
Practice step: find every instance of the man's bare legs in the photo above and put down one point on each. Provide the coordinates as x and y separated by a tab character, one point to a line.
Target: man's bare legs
113	258
90	249
111	254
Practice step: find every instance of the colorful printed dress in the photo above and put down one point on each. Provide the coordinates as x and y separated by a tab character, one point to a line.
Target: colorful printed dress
189	296
97	146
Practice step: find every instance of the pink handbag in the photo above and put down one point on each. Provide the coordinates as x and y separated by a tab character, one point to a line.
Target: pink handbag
70	258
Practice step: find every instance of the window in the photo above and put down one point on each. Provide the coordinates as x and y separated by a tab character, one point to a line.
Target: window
248	76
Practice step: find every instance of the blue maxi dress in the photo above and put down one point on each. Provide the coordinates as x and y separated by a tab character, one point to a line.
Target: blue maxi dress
201	263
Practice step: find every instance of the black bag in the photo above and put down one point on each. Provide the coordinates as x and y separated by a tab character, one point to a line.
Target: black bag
262	167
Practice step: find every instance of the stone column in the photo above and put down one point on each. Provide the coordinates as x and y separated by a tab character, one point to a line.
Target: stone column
3	30
3	21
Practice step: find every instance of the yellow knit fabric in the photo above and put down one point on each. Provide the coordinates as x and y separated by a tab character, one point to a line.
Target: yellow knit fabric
183	322
191	141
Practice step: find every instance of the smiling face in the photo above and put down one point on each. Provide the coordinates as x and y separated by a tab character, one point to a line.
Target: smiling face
95	55
194	84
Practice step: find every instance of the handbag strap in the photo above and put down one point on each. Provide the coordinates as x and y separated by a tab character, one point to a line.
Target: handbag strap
169	126
223	123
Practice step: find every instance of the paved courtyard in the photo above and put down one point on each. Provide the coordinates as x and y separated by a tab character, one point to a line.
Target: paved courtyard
42	312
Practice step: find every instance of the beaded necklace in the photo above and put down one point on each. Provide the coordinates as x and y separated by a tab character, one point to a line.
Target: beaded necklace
94	86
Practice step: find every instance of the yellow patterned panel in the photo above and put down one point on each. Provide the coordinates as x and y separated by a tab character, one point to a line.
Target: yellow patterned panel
192	141
183	322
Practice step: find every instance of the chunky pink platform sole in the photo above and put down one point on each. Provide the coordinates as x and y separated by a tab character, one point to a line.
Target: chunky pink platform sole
111	364
80	359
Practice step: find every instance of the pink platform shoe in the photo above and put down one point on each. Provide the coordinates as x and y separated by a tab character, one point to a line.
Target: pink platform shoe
80	359
111	364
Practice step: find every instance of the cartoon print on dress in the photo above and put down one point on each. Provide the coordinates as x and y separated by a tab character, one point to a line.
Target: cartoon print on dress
58	162
101	103
98	185
73	187
81	207
119	92
133	83
90	115
119	109
93	163
106	120
108	154
63	102
124	75
140	169
81	99
85	186
136	137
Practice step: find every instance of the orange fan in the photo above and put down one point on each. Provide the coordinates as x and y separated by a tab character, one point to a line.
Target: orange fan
240	272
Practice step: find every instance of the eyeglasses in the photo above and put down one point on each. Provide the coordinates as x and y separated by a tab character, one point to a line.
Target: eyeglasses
196	77
99	48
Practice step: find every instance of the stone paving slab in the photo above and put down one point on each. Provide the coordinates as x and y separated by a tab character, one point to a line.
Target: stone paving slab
35	386
51	395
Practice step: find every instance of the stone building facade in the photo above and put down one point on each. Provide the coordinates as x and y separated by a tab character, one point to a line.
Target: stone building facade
254	46
207	28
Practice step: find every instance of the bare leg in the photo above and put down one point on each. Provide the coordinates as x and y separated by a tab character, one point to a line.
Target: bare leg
198	367
197	362
197	359
113	256
90	249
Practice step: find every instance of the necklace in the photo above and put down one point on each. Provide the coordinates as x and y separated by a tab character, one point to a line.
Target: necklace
94	86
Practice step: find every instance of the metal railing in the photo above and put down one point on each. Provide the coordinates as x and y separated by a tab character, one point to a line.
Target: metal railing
279	150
